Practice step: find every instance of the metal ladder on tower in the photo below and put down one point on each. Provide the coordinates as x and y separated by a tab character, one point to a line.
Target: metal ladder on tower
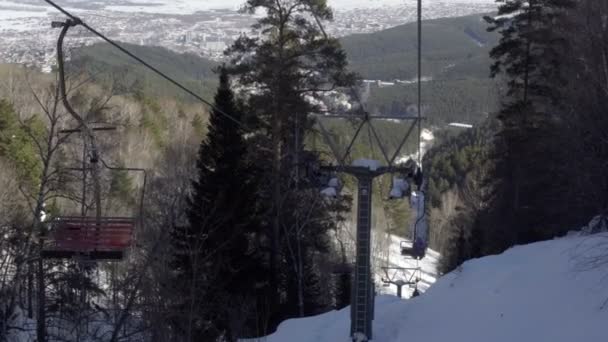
362	306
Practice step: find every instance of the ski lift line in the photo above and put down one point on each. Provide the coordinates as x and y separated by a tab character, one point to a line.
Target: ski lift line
88	132
78	21
370	117
358	170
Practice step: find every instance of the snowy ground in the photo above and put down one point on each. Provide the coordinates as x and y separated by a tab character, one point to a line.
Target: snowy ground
426	142
537	292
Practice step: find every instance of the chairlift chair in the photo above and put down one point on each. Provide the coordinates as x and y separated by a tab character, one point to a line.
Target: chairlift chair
98	237
93	238
106	238
400	188
417	250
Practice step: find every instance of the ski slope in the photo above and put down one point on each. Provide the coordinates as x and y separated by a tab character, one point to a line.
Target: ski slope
538	292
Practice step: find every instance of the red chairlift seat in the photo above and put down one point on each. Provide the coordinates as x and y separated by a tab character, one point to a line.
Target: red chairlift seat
106	239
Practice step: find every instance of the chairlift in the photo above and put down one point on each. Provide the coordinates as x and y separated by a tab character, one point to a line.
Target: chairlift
400	188
106	238
98	237
331	185
391	277
93	238
417	249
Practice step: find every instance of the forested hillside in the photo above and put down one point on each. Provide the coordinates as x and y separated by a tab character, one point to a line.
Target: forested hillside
106	63
452	48
131	211
455	60
539	169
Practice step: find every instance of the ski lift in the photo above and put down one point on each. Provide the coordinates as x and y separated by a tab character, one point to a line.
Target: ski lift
94	238
417	249
391	277
399	189
98	237
106	238
332	187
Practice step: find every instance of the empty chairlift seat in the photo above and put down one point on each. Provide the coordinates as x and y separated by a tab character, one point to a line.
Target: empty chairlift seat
106	238
417	249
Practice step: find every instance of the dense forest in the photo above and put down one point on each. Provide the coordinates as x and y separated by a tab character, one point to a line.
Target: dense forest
232	236
537	168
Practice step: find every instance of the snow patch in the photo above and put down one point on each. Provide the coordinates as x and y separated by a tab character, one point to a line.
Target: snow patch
371	164
529	293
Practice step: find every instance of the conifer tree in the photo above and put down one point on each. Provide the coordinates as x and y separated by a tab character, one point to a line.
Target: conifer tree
529	57
214	260
293	64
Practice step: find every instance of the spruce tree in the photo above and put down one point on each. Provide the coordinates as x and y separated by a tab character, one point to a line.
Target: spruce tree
529	57
214	260
293	63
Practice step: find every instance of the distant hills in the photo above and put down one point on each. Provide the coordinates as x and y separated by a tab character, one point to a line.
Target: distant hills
103	61
455	56
455	61
451	48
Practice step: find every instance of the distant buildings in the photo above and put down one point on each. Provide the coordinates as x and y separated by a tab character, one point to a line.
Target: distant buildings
203	33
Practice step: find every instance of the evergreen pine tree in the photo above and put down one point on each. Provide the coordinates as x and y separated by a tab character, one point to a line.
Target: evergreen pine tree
529	56
296	61
213	255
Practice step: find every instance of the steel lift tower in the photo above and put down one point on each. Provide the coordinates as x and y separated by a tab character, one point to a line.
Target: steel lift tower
365	171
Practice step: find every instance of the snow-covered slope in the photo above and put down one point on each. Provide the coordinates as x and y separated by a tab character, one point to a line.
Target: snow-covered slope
538	292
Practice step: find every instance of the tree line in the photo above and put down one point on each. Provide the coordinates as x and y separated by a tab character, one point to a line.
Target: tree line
234	235
545	171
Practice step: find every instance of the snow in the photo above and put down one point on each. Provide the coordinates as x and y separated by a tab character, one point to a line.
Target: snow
460	125
371	164
427	137
329	192
28	327
598	224
334	183
537	292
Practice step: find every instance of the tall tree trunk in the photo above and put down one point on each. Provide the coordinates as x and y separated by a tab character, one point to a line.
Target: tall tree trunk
276	199
41	319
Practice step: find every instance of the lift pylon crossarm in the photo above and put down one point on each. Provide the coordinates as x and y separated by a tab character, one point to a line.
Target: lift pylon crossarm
390	280
370	117
365	171
361	170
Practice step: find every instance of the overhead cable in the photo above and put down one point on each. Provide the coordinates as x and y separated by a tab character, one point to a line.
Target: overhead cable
147	65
